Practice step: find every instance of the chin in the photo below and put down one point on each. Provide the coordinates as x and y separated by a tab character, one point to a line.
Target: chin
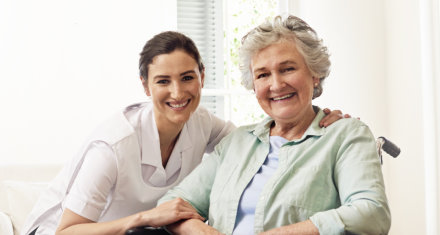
181	119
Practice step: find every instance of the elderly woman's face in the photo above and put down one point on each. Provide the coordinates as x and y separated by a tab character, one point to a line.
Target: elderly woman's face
283	84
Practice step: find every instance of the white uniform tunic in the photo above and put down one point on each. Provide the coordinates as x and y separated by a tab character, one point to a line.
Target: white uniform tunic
119	171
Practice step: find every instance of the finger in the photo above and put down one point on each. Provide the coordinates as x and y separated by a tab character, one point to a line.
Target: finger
323	121
189	206
329	119
347	115
176	215
326	111
181	204
184	205
337	112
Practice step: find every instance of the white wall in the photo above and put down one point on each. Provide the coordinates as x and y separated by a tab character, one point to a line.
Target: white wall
57	54
355	36
406	175
376	75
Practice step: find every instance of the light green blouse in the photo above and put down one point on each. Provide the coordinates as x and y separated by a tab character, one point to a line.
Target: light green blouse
331	176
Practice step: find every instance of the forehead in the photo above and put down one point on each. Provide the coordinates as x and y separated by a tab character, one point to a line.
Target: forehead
172	62
276	54
175	57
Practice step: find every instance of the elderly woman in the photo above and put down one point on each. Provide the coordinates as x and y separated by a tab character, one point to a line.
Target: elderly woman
285	175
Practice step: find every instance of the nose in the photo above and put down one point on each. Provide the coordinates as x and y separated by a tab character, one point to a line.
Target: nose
277	82
177	91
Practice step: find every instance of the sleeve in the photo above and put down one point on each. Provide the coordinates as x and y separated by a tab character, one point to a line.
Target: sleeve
358	177
196	187
94	182
220	129
6	224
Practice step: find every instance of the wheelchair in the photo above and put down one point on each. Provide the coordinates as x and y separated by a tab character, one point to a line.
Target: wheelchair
382	144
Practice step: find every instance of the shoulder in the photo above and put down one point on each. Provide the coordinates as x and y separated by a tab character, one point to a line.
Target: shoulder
202	113
204	119
250	127
137	108
119	125
347	126
241	134
349	132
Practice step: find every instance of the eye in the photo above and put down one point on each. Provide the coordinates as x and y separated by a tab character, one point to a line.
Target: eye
288	69
262	75
162	81
187	78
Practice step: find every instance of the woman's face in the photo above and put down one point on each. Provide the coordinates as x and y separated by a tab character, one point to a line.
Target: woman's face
283	84
174	84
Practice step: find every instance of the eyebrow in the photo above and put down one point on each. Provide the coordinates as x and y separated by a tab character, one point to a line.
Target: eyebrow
282	63
187	72
287	62
168	76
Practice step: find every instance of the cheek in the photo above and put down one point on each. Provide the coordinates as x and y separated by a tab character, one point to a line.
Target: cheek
196	88
307	90
304	84
156	93
260	92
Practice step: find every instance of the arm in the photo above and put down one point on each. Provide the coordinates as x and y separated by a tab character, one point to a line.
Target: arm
301	228
196	189
219	129
167	213
358	177
192	226
90	192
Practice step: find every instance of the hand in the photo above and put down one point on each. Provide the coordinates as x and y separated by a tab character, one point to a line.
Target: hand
192	226
168	213
331	117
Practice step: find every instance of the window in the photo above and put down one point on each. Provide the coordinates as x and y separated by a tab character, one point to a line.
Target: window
201	20
217	28
240	17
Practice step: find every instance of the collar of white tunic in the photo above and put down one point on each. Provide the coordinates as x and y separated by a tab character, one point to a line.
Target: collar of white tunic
152	170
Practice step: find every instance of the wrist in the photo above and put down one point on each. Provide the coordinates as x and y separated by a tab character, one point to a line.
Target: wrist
136	220
183	227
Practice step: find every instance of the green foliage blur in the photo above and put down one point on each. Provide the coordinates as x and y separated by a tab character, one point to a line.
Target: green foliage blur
241	16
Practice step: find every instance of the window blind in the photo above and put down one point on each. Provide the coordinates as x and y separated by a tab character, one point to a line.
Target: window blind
201	20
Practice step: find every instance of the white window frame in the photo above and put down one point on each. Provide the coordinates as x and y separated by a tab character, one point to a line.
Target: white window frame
430	65
202	21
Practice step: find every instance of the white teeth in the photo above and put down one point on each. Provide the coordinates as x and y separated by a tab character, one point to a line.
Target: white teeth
283	97
178	105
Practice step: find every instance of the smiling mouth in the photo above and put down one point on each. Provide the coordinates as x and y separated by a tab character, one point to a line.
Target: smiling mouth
283	97
178	105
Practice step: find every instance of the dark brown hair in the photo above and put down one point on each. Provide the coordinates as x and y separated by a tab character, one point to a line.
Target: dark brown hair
164	43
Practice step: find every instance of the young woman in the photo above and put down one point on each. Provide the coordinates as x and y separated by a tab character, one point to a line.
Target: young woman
137	155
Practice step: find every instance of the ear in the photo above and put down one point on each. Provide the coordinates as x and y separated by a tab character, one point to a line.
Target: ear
315	81
202	77
145	85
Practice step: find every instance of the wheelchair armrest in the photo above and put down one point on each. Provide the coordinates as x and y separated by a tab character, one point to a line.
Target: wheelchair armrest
145	230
